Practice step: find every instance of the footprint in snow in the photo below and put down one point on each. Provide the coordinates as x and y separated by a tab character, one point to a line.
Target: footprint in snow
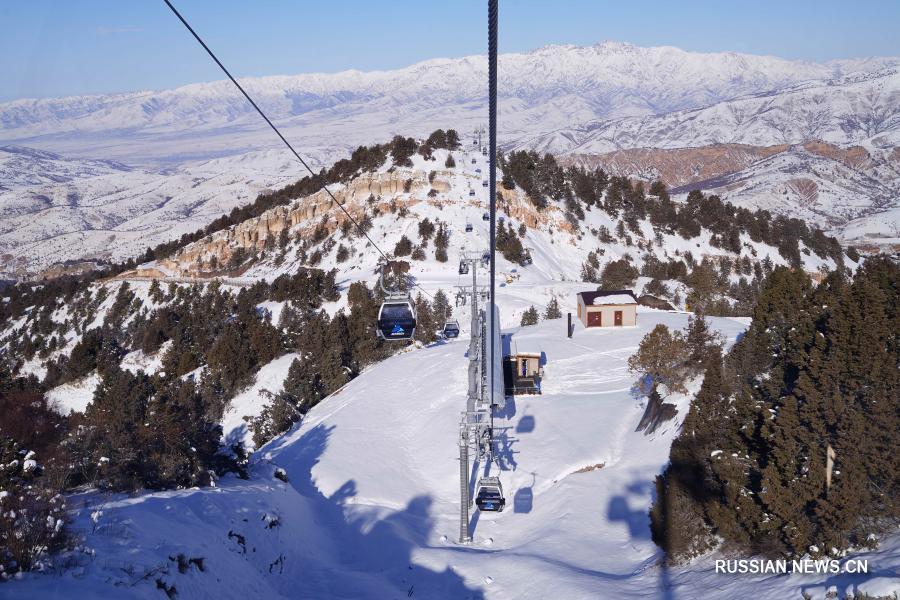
488	541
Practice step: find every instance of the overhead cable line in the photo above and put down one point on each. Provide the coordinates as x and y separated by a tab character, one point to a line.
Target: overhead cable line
278	133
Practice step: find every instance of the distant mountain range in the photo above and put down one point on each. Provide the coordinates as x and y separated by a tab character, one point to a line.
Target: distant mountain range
582	103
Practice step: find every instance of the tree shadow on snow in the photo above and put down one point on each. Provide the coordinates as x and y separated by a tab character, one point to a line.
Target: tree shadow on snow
367	558
638	522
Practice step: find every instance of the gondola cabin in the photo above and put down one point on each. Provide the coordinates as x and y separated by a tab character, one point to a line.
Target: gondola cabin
451	329
396	320
489	496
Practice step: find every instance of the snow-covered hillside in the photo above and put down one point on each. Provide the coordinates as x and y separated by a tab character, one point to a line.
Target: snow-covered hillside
855	203
55	209
369	508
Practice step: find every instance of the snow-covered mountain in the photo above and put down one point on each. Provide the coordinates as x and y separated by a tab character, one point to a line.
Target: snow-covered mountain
857	109
361	499
194	152
552	88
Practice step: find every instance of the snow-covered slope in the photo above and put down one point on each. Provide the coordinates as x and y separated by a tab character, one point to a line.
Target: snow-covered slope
370	506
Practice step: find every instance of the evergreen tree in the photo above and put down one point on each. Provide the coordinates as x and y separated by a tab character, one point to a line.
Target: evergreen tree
403	247
702	342
617	275
530	317
553	311
426	325
441	307
660	359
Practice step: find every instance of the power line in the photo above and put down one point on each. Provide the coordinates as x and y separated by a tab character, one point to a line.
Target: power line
278	133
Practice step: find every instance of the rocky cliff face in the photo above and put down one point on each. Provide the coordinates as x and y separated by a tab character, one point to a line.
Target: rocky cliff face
302	216
680	167
381	193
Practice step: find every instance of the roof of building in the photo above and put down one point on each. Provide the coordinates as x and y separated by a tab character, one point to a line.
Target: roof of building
608	297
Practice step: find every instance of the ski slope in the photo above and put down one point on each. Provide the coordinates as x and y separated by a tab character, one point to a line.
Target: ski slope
370	507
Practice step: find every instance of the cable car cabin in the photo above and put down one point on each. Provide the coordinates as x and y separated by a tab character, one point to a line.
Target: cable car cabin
523	373
396	320
468	227
473	161
463	267
484	183
451	329
471	192
486	217
478	170
484	151
489	496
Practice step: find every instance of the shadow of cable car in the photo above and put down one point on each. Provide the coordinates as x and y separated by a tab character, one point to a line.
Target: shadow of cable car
525	425
523	501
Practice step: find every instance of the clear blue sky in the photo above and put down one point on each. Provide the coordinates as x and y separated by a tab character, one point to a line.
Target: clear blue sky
69	47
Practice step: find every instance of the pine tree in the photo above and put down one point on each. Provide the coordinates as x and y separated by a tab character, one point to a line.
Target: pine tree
530	317
702	342
553	311
441	307
403	247
426	327
617	275
661	359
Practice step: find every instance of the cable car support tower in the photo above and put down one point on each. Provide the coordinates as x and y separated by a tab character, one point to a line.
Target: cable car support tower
476	429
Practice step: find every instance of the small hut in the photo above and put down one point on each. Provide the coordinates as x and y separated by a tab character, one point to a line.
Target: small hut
613	308
523	370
